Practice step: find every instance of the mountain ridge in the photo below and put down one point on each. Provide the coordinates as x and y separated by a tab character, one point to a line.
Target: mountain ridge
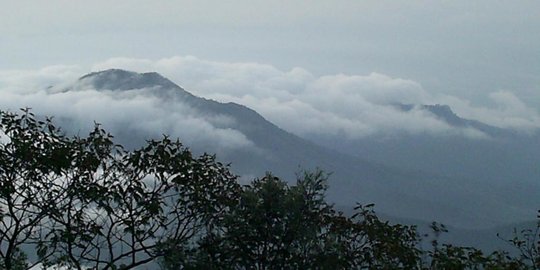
395	191
445	113
119	79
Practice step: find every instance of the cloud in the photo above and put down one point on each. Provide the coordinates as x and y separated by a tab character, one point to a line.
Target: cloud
507	111
4	138
28	81
341	105
350	105
121	113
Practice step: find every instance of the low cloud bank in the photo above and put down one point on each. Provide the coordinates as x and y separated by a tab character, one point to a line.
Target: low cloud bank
296	100
120	112
351	105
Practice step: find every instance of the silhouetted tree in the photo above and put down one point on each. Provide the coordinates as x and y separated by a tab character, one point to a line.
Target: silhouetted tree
85	202
277	226
33	156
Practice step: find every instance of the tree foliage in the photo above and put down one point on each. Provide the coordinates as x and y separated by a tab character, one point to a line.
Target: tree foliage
86	202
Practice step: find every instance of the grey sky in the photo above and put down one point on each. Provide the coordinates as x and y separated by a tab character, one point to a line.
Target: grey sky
462	48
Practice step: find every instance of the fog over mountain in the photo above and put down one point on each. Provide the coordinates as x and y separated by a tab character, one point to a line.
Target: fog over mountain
429	109
426	172
346	104
461	48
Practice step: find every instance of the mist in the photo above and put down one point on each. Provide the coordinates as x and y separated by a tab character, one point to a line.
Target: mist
332	106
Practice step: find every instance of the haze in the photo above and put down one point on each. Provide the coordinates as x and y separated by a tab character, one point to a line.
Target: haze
463	48
408	91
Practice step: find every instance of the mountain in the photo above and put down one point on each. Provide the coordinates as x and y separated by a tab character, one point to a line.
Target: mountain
504	163
117	79
445	113
399	191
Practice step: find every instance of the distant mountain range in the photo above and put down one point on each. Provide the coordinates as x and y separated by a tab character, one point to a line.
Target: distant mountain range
445	113
504	162
454	180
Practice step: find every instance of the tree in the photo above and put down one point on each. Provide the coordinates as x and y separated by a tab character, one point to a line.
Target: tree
527	242
271	226
370	243
277	226
32	157
86	202
140	205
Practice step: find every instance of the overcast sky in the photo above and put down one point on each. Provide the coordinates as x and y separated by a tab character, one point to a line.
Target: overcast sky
461	48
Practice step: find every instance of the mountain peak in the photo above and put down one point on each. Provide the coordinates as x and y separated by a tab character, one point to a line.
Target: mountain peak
119	79
441	111
445	113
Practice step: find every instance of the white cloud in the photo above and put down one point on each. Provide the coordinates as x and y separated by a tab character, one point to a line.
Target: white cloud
127	111
296	100
28	81
508	111
353	105
3	138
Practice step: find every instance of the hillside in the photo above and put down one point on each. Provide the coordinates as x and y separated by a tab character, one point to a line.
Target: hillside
401	192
